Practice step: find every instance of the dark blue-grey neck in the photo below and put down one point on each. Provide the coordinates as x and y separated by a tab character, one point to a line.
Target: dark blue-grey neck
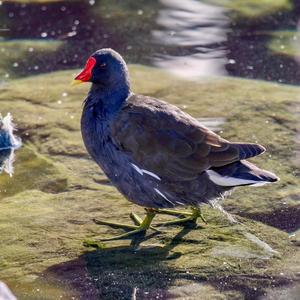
108	100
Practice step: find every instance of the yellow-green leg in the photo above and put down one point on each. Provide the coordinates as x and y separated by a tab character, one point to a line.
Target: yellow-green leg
138	220
188	216
142	226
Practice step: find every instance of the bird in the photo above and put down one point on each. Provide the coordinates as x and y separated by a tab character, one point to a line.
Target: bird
156	155
8	143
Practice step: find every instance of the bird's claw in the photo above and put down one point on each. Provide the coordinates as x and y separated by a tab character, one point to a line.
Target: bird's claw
186	216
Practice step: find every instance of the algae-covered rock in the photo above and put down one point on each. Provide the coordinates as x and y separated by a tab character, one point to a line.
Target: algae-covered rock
35	1
254	8
46	209
18	57
48	231
285	43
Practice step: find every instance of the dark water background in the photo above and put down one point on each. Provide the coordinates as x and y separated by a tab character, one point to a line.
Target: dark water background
189	38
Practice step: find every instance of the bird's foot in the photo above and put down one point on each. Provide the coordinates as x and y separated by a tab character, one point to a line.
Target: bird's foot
138	221
142	225
185	216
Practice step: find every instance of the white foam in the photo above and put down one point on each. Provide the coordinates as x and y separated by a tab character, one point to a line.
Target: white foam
8	126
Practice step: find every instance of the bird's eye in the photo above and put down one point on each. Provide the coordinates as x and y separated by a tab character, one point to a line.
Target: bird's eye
103	65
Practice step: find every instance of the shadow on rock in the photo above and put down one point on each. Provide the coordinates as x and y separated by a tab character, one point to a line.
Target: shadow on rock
286	218
152	271
122	272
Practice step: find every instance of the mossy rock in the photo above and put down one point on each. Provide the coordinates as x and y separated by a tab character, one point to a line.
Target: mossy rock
48	117
253	8
22	56
44	175
285	43
47	210
36	1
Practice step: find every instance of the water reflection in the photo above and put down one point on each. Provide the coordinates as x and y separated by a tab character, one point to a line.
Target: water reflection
199	30
8	143
5	293
189	38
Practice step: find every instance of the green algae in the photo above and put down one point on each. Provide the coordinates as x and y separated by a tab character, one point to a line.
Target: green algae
189	254
285	43
43	175
47	207
254	8
34	1
20	56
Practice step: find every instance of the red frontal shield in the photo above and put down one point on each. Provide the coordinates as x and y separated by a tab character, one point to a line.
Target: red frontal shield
86	73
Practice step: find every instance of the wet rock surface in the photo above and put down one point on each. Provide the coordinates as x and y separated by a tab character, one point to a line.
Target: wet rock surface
46	209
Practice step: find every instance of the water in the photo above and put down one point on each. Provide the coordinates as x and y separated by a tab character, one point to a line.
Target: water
46	208
190	39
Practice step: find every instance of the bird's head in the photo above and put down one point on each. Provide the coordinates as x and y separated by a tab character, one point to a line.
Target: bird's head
105	68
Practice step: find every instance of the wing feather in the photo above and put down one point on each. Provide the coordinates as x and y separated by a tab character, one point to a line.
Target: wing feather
170	143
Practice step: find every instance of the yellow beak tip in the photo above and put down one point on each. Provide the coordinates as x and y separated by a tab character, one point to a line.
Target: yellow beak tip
75	82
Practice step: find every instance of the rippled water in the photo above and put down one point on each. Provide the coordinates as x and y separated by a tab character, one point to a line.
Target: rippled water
189	39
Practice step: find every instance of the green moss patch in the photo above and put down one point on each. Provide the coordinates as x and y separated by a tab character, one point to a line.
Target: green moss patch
285	43
18	57
254	8
46	209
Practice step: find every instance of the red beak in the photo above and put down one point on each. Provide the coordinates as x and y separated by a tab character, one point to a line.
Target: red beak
86	74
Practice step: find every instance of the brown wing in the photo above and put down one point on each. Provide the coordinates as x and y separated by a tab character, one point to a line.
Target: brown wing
170	143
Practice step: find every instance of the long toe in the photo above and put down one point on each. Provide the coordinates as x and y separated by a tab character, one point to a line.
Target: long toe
125	235
172	212
115	224
182	221
143	225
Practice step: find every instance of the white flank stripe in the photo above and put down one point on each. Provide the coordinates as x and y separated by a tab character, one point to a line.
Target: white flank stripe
137	169
180	203
143	171
161	194
151	174
231	181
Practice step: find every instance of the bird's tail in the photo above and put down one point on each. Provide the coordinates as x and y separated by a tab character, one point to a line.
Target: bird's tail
241	173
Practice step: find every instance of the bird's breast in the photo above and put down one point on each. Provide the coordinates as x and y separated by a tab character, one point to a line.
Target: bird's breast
96	134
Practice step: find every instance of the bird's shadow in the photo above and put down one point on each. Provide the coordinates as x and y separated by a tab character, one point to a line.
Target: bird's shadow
141	237
123	271
143	270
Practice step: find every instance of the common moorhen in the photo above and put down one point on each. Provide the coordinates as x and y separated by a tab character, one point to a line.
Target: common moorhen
156	155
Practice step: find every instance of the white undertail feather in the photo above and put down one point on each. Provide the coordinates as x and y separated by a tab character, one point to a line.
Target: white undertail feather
232	181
